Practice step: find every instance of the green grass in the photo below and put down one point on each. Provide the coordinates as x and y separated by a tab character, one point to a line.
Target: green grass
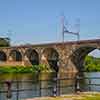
92	97
24	69
72	97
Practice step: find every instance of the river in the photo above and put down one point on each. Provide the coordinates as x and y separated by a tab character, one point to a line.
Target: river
29	89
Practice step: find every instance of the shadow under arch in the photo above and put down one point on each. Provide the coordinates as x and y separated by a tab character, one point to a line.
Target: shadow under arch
15	55
52	57
78	56
33	56
3	56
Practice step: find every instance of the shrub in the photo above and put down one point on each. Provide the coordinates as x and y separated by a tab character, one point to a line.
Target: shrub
25	69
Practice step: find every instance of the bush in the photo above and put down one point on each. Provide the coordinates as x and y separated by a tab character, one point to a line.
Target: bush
25	69
92	64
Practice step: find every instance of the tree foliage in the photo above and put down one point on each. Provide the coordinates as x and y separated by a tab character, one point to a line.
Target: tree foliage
4	42
92	64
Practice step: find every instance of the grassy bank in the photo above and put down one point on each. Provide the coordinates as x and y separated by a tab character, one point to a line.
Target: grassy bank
82	96
25	69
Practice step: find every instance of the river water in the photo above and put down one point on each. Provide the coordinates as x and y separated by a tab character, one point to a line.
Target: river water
31	86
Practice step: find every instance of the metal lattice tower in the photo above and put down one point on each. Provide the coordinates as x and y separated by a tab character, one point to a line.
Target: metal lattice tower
65	29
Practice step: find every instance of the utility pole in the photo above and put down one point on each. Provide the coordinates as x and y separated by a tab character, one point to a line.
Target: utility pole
62	22
66	31
9	33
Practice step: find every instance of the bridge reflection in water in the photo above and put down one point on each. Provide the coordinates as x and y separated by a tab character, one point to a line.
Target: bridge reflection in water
29	86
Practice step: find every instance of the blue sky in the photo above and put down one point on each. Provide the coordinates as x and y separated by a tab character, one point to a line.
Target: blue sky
95	53
39	21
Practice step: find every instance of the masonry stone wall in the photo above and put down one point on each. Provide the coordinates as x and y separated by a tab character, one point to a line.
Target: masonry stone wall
71	54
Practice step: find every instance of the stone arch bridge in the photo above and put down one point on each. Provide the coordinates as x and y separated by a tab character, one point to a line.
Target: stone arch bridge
67	56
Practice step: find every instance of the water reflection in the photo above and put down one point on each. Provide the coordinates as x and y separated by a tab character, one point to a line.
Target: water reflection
94	81
32	86
13	78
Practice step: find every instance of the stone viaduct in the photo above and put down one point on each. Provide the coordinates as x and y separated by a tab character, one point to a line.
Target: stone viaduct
67	56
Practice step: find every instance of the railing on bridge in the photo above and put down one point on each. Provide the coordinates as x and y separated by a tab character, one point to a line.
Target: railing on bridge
53	87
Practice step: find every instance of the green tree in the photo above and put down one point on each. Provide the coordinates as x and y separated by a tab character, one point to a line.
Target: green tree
92	64
4	42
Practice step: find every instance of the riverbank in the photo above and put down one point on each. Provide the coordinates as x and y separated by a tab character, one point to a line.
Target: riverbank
25	69
80	96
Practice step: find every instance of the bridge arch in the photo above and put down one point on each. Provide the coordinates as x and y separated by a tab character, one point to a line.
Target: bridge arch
33	56
52	57
3	56
78	56
15	55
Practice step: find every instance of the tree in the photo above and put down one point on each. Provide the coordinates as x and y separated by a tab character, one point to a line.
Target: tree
4	42
92	64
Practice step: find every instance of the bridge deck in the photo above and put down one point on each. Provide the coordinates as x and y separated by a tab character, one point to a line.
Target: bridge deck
56	43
